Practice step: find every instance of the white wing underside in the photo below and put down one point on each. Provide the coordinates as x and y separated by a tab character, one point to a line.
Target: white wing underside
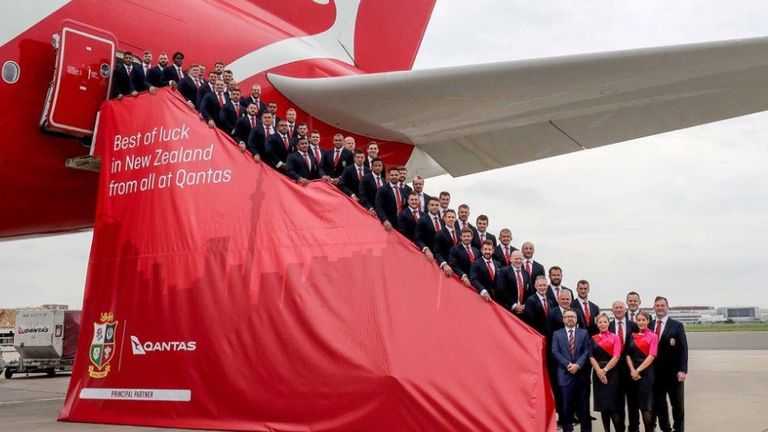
469	119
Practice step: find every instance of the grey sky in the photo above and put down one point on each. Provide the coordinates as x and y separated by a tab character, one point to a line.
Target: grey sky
683	214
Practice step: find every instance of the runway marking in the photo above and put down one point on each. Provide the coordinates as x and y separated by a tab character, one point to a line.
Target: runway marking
31	400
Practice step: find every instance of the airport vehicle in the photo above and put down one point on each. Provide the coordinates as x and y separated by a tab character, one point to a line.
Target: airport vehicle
46	341
345	66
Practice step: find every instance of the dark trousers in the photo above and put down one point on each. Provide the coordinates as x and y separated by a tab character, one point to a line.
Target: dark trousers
675	391
575	394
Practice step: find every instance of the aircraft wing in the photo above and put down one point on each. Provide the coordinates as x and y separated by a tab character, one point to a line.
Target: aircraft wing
480	117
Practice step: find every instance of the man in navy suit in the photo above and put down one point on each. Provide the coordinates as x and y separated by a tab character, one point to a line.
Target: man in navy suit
571	348
533	268
352	175
208	87
190	85
255	98
174	73
462	255
302	166
155	73
444	241
428	226
244	125
122	81
513	285
390	200
537	306
483	272
278	146
146	65
588	309
231	112
370	184
213	103
503	252
409	217
138	76
373	153
622	327
334	161
258	137
481	233
670	367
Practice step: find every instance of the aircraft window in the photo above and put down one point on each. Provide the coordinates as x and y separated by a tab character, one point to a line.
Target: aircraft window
11	72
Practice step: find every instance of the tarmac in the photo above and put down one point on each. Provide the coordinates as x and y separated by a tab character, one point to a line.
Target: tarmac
726	390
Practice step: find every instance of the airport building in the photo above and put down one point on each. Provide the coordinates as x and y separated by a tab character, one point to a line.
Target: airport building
741	314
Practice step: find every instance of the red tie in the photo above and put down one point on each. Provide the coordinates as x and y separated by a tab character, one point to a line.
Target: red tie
316	151
421	207
465	225
398	198
545	305
290	130
378	182
571	344
482	238
453	237
528	267
586	312
253	121
197	84
306	159
181	74
506	254
336	158
621	333
519	287
221	100
470	254
285	142
437	224
237	109
490	270
658	328
632	316
359	174
268	130
416	215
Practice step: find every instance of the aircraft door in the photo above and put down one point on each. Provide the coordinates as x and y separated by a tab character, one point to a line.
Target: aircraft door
85	58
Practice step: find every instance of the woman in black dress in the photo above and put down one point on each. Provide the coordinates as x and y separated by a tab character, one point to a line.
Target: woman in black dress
641	351
606	352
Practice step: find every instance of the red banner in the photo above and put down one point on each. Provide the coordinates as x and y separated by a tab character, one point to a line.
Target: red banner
221	295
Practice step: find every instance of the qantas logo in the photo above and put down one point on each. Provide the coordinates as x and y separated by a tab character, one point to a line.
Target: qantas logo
139	348
335	43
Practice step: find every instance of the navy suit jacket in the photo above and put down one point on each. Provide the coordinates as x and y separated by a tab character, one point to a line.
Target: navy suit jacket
170	74
480	278
672	356
406	224
443	245
507	289
155	76
228	117
536	270
386	203
210	108
488	236
368	189
139	80
257	140
122	83
534	313
276	151
425	232
244	102
459	260
498	254
204	90
296	167
562	356
349	183
243	128
188	89
594	310
346	158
